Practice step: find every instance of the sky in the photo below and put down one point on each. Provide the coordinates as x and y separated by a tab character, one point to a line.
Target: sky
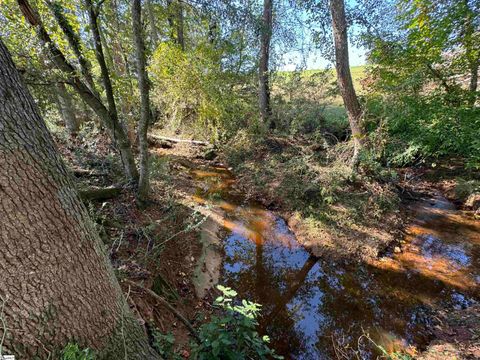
292	60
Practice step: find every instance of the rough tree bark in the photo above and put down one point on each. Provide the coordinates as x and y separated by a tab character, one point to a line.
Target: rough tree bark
143	84
57	283
66	109
116	131
263	71
344	77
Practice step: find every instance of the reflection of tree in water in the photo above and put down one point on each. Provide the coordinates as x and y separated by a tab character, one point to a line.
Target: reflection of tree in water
307	301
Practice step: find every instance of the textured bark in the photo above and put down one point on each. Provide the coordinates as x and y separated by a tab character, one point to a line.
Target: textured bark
263	71
57	283
344	77
116	131
142	191
66	109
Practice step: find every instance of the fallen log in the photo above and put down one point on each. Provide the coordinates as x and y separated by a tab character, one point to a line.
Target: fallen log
174	140
99	193
153	141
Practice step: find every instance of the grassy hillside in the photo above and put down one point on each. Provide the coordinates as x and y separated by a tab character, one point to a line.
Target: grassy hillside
317	90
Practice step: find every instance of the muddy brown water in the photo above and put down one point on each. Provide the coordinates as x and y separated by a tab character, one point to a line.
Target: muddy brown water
313	308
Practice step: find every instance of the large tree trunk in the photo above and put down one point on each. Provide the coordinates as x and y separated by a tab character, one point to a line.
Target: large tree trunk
65	105
57	285
263	71
344	77
116	131
143	85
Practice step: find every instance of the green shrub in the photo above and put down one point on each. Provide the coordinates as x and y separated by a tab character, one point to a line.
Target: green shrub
233	334
195	93
419	127
164	344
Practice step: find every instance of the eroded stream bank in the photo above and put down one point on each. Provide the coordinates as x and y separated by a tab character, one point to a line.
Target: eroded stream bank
314	307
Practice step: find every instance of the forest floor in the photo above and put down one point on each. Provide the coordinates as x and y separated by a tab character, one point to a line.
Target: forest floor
159	247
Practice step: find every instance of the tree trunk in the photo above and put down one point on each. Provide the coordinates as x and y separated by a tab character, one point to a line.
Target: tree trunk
57	283
176	22
344	77
471	51
263	71
153	28
128	160
143	85
74	42
474	81
116	131
180	25
66	110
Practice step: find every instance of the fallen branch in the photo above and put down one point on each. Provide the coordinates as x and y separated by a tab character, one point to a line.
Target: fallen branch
174	140
168	306
99	193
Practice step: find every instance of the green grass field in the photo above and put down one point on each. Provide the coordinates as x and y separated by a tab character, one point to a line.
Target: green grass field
334	110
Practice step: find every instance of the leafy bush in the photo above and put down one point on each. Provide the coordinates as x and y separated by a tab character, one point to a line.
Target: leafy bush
164	344
233	335
420	127
195	93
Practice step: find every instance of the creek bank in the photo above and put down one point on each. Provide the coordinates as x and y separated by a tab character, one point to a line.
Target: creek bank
400	292
332	211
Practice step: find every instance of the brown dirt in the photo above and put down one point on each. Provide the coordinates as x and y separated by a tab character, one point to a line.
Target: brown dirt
457	335
345	231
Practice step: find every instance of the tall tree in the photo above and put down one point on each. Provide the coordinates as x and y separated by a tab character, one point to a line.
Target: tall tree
111	122
57	283
176	22
65	107
263	69
344	77
144	88
153	26
471	44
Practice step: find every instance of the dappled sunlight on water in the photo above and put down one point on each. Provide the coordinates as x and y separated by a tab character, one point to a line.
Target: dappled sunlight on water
310	303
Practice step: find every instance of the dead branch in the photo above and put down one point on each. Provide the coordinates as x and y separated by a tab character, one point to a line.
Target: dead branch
168	306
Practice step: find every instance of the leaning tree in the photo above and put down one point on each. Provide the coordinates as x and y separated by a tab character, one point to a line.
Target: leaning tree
56	283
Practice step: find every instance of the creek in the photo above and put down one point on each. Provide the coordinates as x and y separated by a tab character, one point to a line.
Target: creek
314	308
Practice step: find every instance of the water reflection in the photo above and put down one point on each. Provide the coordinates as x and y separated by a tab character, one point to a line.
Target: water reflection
307	301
